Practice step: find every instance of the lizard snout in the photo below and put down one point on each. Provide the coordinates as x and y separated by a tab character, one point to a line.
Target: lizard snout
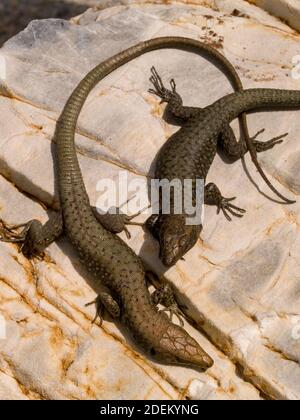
177	347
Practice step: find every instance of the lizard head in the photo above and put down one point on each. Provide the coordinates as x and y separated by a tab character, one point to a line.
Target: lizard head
176	239
177	347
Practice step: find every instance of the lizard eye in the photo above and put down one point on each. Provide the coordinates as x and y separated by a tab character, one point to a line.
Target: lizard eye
152	352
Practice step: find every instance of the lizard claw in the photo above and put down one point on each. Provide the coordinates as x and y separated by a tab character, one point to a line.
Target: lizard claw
261	146
164	295
173	85
105	301
226	207
10	234
175	310
159	88
99	310
257	134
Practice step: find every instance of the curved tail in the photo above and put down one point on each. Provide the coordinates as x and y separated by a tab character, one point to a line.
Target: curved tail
69	172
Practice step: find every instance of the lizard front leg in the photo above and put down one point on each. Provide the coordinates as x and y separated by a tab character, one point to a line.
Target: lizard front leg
34	237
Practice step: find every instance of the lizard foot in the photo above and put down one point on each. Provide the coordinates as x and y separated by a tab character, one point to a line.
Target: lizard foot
213	196
164	295
159	89
34	238
175	310
27	238
261	146
104	301
128	222
11	234
99	310
227	207
116	222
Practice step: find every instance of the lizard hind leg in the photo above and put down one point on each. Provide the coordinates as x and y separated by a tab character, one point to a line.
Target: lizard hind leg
171	97
236	150
164	295
104	300
262	146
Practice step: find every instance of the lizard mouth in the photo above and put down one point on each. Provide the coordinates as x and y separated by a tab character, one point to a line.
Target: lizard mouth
170	257
199	362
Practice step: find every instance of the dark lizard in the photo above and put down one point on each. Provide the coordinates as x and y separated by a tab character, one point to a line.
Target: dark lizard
110	260
175	157
188	154
105	255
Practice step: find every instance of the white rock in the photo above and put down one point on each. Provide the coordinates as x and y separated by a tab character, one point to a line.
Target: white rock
240	282
288	10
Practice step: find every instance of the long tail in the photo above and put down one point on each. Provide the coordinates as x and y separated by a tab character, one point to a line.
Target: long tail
255	99
69	173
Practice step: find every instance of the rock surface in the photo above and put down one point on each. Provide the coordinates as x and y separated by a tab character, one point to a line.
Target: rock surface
16	14
288	10
241	281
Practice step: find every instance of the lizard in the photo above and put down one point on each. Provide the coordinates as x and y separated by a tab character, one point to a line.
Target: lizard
187	153
110	259
106	256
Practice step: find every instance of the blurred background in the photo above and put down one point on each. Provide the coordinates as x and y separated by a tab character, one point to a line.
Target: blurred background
16	14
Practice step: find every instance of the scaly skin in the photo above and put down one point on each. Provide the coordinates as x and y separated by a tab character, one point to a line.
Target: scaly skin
188	154
105	254
110	260
185	44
